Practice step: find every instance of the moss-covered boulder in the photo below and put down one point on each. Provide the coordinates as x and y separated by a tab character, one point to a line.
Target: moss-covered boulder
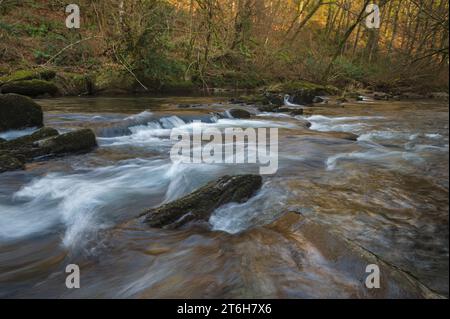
10	163
80	141
32	88
29	140
17	112
43	144
26	75
201	204
240	114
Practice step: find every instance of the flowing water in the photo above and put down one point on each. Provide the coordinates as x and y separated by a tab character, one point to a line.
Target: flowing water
385	195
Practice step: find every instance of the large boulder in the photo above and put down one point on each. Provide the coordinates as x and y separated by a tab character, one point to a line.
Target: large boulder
201	204
73	142
44	143
24	75
32	88
17	112
27	141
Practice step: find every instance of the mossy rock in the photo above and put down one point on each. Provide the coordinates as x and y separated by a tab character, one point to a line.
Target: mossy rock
27	141
240	114
17	112
201	204
80	141
10	163
26	75
32	88
45	143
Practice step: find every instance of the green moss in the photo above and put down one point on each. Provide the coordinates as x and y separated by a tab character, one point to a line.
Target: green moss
18	112
27	141
24	75
30	88
114	81
73	142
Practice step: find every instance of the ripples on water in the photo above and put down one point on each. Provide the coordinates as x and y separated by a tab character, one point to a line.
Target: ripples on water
387	193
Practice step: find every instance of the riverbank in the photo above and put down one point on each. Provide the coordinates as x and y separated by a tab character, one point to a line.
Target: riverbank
47	82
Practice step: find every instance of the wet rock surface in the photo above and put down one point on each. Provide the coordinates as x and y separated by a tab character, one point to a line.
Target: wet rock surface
240	114
17	112
200	204
44	143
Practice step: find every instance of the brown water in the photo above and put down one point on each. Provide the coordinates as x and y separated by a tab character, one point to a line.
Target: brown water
383	200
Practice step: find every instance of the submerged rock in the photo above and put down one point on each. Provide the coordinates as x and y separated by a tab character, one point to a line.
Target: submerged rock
201	204
17	112
342	257
30	88
44	143
240	114
343	135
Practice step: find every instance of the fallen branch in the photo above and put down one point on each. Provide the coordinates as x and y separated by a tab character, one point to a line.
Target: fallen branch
128	69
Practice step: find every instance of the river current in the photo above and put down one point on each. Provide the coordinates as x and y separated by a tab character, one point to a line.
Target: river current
386	194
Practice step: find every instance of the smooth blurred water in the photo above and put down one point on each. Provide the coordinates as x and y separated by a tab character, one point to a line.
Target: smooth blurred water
387	192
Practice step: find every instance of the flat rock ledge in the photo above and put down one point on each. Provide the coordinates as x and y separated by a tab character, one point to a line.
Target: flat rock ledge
45	143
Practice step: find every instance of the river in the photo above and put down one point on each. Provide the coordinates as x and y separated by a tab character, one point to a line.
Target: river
387	194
